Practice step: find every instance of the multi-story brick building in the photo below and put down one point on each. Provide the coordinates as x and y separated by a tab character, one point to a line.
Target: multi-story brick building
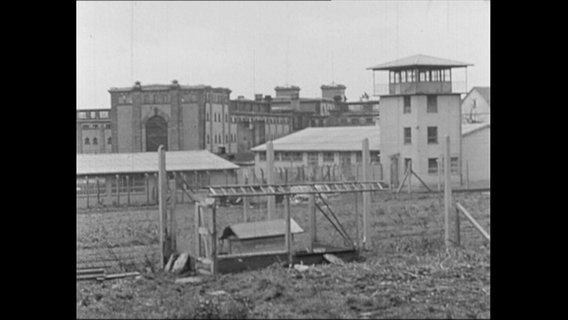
94	131
177	116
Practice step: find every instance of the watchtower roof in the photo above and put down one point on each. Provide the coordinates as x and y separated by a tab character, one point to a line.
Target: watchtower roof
419	60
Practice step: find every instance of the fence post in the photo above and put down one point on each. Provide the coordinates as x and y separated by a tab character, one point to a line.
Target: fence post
197	222
366	195
458	235
128	188
447	192
409	173
467	173
214	239
87	189
98	191
162	200
271	206
117	190
245	201
439	160
288	230
312	221
147	184
173	222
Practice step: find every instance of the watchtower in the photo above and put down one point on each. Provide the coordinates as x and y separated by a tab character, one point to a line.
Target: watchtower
419	106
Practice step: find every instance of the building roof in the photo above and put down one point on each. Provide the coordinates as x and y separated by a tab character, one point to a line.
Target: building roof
469	128
484	92
165	87
141	162
260	229
333	85
287	87
327	139
419	60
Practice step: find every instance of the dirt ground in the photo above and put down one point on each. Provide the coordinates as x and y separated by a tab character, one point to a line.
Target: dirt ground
407	273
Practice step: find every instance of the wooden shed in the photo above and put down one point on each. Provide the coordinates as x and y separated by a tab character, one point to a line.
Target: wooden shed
257	236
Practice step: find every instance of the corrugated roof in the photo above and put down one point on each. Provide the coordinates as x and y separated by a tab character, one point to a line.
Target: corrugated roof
114	163
419	60
468	128
327	139
260	229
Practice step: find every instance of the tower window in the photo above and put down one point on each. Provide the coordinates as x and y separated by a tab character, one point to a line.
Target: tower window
432	135
82	115
95	141
87	141
432	104
454	164
407	135
406	104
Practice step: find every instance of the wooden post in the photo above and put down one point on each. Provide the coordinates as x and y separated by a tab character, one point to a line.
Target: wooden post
117	190
366	195
147	184
128	188
409	173
288	229
447	192
197	222
271	206
87	189
472	220
458	235
173	222
245	202
439	160
98	191
467	173
356	213
184	187
162	205
214	239
312	221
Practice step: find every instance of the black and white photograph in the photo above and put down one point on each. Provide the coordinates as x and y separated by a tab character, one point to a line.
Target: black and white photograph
283	159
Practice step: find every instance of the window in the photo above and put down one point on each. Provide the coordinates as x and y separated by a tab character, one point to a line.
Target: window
82	115
284	156
95	126
403	77
85	126
454	165
422	76
87	141
355	121
262	156
358	157
207	116
95	141
407	163
226	117
411	76
109	140
432	165
396	77
407	135
432	135
296	156
432	104
93	115
107	126
391	77
328	157
215	138
312	158
406	104
435	75
208	139
226	138
84	188
447	75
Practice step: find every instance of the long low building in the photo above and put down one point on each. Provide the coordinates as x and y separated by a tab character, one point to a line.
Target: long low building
130	178
476	146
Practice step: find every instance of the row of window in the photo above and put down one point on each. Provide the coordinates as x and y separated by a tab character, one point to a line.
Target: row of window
276	120
217	117
431	104
409	76
95	126
432	135
92	115
434	165
229	138
95	141
313	157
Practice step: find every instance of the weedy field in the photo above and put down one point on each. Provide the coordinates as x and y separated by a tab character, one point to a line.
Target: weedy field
406	273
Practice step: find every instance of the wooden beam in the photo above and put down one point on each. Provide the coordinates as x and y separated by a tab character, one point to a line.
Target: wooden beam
366	195
447	192
271	205
473	221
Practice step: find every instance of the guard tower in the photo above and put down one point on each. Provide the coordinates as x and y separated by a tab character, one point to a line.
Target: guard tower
420	106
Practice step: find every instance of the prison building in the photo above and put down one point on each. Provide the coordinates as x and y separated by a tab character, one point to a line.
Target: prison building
118	179
324	147
258	236
476	105
94	131
476	153
180	117
420	106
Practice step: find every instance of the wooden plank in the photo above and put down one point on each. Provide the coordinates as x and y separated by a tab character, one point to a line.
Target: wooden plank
473	221
121	275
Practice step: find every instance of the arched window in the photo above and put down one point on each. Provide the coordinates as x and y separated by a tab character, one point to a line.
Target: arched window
87	141
95	141
156	133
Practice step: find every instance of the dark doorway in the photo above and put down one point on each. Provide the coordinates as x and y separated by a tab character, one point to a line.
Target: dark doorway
156	133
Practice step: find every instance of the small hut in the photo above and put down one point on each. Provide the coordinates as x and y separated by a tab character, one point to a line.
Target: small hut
258	236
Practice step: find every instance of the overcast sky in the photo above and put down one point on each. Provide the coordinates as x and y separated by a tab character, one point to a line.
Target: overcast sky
252	47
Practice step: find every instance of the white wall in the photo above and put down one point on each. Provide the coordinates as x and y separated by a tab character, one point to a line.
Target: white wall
476	153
